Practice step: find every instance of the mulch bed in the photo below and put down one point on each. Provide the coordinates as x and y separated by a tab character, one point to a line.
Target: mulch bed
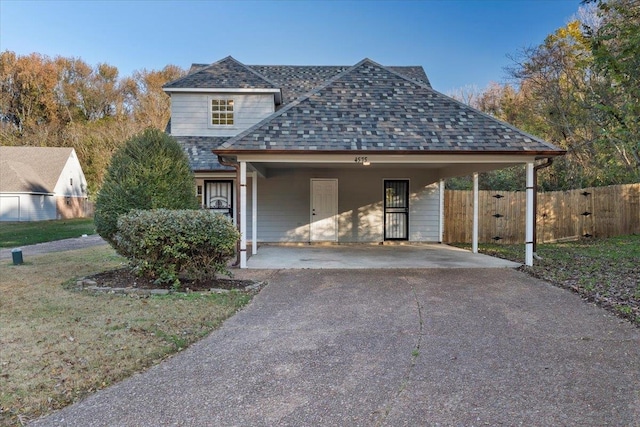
125	278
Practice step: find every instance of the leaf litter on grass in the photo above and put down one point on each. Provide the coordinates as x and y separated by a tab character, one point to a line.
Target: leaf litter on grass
58	345
603	271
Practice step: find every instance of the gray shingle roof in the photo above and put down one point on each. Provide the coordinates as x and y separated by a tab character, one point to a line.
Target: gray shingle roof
199	151
296	80
373	108
413	72
293	80
226	73
197	67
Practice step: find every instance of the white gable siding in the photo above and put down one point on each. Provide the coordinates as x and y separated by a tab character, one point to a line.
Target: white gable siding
190	113
72	181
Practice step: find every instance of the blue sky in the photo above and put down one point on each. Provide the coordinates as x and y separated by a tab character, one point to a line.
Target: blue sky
458	42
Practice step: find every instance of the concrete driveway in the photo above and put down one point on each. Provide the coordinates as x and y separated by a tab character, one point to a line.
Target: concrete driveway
55	246
372	256
463	347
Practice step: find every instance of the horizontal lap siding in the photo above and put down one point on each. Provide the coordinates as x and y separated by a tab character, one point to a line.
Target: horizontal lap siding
9	208
284	204
190	114
424	212
37	208
283	207
26	207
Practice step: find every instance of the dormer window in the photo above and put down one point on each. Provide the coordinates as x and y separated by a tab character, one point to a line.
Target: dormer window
222	112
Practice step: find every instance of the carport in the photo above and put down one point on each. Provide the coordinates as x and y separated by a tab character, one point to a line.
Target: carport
360	158
263	169
361	256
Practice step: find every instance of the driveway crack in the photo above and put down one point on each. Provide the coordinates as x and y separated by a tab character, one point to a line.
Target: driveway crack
415	353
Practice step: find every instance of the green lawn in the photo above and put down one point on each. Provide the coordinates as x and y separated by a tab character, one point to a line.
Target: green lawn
59	345
14	234
604	271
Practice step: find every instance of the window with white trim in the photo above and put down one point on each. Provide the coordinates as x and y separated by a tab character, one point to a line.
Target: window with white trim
222	112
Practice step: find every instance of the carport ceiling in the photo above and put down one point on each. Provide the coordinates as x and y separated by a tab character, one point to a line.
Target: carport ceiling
446	170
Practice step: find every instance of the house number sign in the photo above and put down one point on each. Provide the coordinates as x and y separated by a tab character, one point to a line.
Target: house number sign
362	160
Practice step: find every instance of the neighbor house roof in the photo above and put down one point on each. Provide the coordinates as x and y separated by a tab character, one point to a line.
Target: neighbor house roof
373	108
31	169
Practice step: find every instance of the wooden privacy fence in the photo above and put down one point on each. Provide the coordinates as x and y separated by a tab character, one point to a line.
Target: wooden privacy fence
590	212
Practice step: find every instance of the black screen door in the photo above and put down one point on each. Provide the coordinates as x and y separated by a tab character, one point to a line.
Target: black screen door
219	197
396	209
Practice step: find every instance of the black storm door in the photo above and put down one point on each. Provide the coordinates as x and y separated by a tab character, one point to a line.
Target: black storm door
219	197
396	209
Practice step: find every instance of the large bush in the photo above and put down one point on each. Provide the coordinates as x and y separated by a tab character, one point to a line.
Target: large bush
149	171
162	244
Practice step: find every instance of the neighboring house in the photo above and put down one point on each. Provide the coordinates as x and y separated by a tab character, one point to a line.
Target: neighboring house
41	183
335	153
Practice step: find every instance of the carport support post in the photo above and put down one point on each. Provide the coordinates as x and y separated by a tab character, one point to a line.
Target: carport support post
474	237
529	224
441	227
254	212
243	214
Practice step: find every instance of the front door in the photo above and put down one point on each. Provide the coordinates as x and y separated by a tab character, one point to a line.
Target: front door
218	196
324	210
396	209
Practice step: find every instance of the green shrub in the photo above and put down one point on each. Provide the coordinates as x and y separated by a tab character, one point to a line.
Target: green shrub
149	171
163	244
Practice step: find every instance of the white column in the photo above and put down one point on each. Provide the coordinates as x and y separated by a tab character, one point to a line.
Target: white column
243	214
474	237
441	226
254	212
530	223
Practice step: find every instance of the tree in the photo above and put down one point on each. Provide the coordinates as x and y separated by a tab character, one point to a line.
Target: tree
556	83
150	171
73	78
27	90
153	106
579	90
615	44
65	102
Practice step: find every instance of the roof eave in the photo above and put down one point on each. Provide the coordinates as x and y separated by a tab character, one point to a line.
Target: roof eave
277	92
33	193
539	154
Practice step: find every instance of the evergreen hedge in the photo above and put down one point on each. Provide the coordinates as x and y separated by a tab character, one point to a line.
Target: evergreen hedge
164	244
150	171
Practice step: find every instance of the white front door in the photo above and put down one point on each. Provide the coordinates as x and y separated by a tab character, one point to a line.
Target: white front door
324	210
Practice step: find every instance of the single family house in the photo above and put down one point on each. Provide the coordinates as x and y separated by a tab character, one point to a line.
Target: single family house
41	183
344	154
